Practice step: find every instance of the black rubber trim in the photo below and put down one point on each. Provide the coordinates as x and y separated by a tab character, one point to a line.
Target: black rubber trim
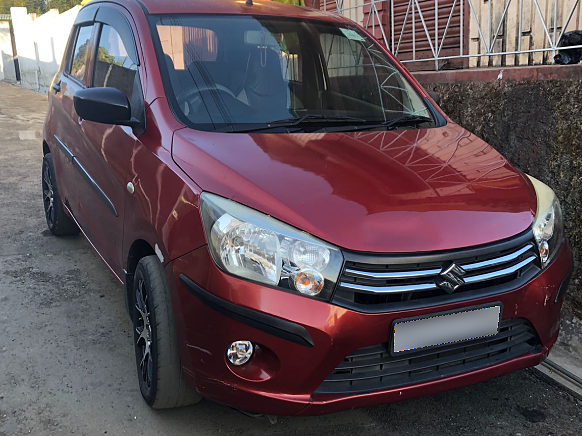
143	8
564	286
102	196
66	151
269	324
86	15
120	24
440	121
376	370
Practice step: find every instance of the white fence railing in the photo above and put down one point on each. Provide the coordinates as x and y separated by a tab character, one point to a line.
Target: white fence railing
486	32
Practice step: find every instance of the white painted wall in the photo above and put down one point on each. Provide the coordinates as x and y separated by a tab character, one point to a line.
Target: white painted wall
40	44
24	38
7	71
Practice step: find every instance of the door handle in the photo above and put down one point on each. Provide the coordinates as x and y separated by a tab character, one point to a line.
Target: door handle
57	87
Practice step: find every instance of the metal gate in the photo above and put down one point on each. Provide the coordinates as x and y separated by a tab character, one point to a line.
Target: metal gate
448	34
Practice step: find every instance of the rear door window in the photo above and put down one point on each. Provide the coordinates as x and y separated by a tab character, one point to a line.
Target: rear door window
78	63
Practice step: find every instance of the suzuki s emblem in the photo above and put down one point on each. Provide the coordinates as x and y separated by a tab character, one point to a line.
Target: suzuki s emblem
451	278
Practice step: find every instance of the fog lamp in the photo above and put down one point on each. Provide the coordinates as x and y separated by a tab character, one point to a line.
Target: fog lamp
239	352
309	282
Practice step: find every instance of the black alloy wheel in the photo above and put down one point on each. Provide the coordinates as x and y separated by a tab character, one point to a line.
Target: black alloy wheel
57	220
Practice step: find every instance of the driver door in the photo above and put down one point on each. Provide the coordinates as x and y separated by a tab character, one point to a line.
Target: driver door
105	154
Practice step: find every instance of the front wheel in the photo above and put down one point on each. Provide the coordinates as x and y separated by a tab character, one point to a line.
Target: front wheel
156	347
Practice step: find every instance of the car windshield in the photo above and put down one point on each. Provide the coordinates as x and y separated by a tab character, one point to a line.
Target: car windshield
243	73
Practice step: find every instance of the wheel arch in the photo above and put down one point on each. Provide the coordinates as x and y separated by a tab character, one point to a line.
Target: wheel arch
139	249
142	247
45	148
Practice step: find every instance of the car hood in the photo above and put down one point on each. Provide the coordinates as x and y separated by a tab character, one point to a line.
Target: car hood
375	191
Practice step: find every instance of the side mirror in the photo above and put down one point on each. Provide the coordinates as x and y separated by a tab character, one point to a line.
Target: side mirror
435	96
104	105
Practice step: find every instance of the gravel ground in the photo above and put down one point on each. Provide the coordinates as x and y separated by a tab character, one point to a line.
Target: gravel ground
66	359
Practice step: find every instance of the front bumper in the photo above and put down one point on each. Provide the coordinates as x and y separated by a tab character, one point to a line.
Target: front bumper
299	341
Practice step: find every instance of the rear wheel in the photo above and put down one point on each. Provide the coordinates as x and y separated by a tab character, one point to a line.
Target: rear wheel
57	220
156	347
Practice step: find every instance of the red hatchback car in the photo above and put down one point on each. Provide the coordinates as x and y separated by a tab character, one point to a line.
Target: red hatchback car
298	227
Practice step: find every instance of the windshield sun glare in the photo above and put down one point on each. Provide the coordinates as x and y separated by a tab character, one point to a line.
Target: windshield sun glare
246	73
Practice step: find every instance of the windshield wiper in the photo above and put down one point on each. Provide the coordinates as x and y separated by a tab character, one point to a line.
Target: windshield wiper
406	120
315	118
294	122
403	120
353	124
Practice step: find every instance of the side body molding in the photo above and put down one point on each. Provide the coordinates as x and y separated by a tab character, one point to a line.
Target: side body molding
86	176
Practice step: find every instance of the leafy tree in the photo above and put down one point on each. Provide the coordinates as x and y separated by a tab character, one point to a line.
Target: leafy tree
35	6
104	56
63	5
38	6
81	57
5	5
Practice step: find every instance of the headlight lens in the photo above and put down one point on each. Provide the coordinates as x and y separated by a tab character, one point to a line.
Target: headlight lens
548	225
257	247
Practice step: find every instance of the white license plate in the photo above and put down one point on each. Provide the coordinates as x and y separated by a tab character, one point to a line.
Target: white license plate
410	335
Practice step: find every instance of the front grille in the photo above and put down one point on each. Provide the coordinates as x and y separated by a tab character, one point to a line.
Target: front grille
383	283
374	368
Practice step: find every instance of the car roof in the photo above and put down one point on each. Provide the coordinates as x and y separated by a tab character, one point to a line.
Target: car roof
234	7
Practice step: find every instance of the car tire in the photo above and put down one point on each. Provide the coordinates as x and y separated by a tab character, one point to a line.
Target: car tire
156	347
57	220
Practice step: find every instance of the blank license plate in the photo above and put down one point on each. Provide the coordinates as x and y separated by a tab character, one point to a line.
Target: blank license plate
445	329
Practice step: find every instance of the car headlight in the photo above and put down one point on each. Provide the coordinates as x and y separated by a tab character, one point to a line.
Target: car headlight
548	225
254	246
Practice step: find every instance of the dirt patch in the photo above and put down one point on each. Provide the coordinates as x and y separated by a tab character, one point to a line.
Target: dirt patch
48	288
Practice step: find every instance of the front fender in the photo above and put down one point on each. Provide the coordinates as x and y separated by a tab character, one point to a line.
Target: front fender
163	208
163	211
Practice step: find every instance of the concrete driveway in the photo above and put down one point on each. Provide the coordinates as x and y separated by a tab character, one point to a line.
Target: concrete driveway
66	357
